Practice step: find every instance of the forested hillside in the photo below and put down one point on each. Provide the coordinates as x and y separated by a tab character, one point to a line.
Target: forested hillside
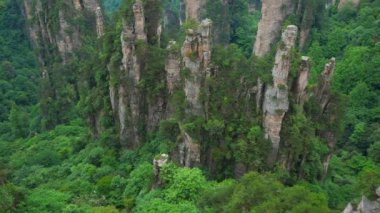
189	106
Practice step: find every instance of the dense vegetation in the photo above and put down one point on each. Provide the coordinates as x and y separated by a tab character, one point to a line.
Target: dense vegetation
70	167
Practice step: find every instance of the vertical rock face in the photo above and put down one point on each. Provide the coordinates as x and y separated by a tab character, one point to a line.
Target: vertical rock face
343	3
365	205
196	53
134	110
302	81
99	22
273	13
194	8
38	31
172	67
139	27
322	92
158	163
126	99
304	35
276	102
94	7
189	152
77	4
66	42
68	38
173	77
323	96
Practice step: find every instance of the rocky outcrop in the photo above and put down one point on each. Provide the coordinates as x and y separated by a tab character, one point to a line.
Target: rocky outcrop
65	41
365	205
343	3
135	110
158	162
194	9
173	77
196	53
139	25
323	92
276	102
126	98
94	7
302	81
189	151
323	96
99	22
196	57
304	36
172	67
67	38
273	14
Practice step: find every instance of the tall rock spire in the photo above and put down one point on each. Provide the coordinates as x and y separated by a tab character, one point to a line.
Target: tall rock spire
194	9
273	15
276	102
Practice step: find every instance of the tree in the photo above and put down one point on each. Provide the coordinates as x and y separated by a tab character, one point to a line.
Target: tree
161	206
19	122
46	200
6	201
252	190
186	185
374	152
297	199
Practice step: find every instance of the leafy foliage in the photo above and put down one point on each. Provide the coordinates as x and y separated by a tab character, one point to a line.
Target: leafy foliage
59	150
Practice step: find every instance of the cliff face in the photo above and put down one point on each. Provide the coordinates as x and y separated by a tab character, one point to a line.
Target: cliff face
365	205
126	98
276	102
189	151
135	111
323	92
196	53
273	14
194	9
56	29
328	106
302	81
173	77
64	35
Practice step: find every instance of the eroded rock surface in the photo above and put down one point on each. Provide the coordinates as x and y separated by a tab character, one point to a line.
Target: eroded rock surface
66	36
172	67
276	102
126	99
196	53
323	91
273	15
365	205
194	9
158	162
328	107
189	152
302	81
